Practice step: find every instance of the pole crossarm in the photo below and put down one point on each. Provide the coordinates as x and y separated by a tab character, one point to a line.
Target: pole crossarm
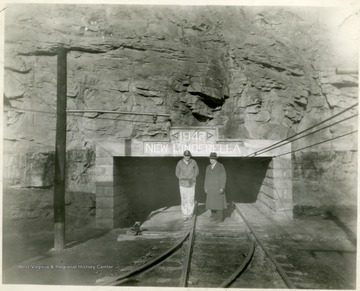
115	112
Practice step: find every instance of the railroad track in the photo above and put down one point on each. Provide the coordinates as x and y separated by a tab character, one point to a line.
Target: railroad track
209	255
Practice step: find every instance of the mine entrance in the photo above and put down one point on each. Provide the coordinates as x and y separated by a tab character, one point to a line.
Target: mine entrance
149	183
244	178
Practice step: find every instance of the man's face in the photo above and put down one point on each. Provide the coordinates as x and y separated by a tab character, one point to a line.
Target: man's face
212	161
187	158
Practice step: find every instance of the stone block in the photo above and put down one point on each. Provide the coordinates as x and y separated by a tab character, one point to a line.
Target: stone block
102	153
105	223
39	170
284	214
268	182
270	202
278	173
116	148
267	190
287	192
282	183
280	163
262	204
288	173
104	189
108	160
270	173
283	203
107	213
104	202
104	173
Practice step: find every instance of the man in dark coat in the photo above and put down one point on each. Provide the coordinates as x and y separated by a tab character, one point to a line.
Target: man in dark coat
215	180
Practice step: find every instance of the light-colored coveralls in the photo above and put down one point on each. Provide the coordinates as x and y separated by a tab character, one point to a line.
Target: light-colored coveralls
186	172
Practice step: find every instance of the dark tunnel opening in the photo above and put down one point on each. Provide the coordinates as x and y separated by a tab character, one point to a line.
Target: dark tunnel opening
149	183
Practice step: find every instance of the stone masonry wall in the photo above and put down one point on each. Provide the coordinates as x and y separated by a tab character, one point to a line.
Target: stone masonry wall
275	194
112	206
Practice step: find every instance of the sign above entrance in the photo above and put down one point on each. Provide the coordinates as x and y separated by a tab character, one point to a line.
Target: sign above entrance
197	149
186	135
201	141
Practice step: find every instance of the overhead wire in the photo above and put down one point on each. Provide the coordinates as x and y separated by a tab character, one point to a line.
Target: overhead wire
50	106
76	110
83	132
258	152
268	148
117	119
17	109
313	132
289	140
315	144
8	109
54	110
264	150
34	94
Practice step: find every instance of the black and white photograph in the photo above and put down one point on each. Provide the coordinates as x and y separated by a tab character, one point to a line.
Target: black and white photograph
179	144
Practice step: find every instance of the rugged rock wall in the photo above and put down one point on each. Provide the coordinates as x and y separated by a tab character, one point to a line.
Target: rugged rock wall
325	181
29	182
254	73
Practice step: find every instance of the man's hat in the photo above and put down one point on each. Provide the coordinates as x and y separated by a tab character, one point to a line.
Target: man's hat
213	156
187	153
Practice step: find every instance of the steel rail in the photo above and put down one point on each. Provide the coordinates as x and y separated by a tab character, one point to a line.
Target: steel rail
114	281
185	273
280	270
242	267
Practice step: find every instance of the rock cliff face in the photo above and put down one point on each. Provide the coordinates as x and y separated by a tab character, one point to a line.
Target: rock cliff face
253	73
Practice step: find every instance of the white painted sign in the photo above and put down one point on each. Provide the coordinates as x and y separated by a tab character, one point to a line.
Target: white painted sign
201	141
193	134
197	149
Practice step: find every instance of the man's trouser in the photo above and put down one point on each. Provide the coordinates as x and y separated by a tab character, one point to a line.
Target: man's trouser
187	200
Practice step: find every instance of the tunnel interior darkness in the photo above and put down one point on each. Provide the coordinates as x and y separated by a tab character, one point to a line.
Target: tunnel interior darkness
149	183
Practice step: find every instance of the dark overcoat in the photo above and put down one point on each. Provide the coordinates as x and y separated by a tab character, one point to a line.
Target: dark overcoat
215	179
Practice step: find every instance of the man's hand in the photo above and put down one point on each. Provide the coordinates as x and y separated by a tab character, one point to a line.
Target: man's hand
221	191
205	190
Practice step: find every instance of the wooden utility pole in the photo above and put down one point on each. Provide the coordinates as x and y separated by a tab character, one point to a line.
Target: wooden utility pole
60	153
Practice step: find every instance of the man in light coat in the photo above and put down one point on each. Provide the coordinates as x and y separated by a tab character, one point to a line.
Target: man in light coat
214	187
186	171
